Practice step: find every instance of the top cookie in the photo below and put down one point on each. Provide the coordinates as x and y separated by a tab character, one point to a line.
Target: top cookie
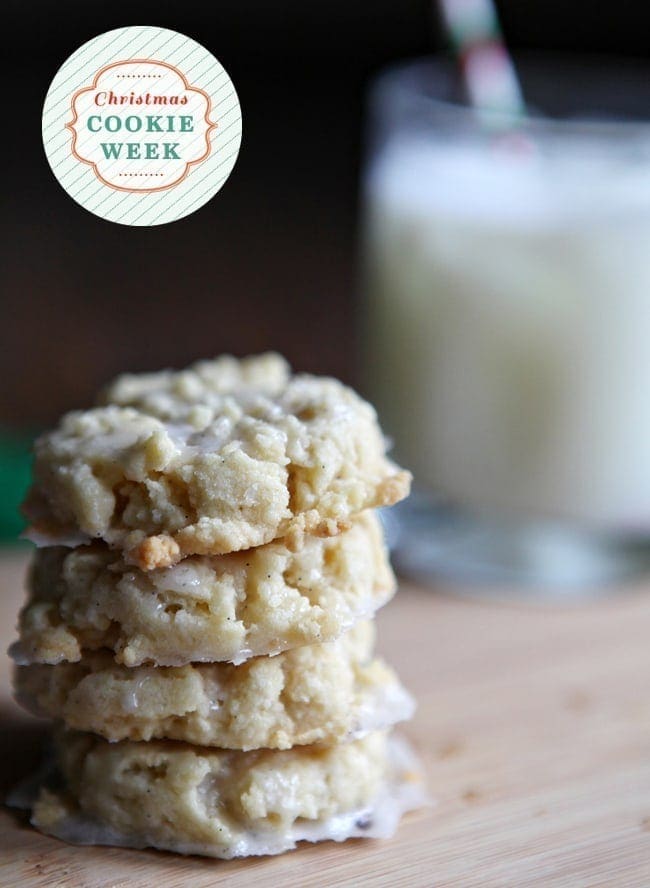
220	457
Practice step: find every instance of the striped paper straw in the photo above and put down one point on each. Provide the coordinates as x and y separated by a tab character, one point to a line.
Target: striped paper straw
488	72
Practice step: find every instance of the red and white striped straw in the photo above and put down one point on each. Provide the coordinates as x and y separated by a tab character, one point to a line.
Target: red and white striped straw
488	71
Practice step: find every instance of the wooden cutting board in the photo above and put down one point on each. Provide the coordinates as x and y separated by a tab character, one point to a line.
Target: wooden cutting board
534	727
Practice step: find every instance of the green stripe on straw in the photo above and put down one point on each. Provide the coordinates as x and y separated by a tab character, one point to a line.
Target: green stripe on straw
488	72
469	21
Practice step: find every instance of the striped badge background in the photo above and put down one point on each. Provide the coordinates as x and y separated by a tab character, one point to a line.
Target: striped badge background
201	70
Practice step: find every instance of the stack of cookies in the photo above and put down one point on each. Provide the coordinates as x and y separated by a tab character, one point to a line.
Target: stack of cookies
199	615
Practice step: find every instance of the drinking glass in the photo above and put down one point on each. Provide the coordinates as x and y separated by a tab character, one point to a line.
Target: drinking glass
506	321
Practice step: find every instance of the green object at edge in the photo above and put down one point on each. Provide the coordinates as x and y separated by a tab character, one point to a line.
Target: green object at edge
15	471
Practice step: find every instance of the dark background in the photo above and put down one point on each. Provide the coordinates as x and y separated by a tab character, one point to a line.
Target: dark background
270	261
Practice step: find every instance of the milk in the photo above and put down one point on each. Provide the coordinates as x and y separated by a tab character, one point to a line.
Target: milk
508	324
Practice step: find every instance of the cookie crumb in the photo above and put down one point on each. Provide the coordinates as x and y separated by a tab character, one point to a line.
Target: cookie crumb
154	552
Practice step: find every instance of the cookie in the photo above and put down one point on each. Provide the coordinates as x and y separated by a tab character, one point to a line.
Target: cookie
196	800
226	455
207	608
322	693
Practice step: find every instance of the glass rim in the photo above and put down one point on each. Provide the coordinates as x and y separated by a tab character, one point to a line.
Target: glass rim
402	81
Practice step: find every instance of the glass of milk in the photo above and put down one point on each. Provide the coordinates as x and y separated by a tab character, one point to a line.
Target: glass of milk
506	280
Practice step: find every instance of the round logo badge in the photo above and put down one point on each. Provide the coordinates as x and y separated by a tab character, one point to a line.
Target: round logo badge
142	126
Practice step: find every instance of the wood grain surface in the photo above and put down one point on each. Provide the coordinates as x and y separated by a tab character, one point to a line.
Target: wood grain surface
534	726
